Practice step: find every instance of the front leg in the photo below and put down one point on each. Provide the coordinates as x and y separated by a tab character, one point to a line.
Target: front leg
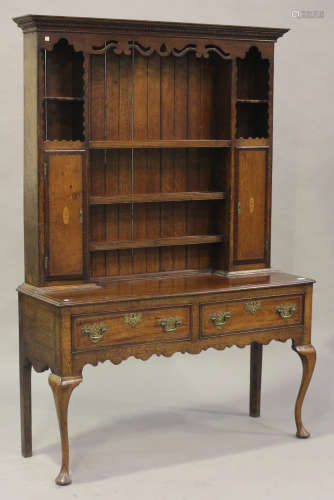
307	354
25	404
255	379
62	388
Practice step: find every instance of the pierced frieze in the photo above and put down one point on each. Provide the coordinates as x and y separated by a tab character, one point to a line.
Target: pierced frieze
162	49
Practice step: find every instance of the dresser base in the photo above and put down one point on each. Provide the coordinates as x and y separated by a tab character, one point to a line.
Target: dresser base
63	328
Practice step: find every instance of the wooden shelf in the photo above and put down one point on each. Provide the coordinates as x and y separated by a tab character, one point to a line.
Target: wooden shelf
159	242
252	142
155	197
66	145
54	98
253	101
163	143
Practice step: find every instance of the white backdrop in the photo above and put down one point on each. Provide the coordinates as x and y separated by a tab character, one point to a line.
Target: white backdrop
178	428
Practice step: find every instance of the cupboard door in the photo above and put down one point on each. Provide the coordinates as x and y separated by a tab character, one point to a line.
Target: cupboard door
64	253
251	206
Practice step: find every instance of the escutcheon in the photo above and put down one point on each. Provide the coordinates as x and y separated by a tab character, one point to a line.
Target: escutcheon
95	332
170	324
253	306
133	319
219	319
286	310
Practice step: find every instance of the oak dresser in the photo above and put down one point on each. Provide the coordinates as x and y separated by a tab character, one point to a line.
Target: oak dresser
147	202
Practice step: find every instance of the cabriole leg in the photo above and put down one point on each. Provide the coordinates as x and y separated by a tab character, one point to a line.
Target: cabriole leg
62	388
255	379
307	354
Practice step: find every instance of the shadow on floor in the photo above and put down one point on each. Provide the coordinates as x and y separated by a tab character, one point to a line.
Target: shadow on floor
157	439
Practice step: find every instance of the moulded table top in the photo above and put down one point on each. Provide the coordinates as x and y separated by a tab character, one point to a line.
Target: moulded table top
158	287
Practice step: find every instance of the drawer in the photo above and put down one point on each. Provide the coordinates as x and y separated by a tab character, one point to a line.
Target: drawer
131	327
244	315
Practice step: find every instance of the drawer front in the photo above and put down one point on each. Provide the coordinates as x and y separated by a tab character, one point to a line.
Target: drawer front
244	315
131	327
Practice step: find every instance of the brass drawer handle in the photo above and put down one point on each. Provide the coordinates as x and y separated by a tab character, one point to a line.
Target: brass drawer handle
286	310
132	319
220	318
253	306
94	332
169	325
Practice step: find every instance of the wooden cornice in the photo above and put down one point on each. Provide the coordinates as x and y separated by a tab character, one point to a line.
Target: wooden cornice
32	22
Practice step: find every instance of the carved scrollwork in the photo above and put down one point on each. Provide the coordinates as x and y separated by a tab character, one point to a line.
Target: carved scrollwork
162	49
109	44
144	352
217	50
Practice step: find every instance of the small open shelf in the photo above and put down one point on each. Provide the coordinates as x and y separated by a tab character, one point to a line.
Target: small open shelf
155	198
253	101
63	71
63	120
163	143
252	119
158	242
63	93
253	76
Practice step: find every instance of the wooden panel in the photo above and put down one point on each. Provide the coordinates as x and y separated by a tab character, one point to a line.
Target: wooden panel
38	331
251	206
125	98
33	271
194	132
97	214
242	320
119	331
167	120
112	103
169	103
139	178
64	190
112	212
154	226
222	98
180	157
97	98
124	217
